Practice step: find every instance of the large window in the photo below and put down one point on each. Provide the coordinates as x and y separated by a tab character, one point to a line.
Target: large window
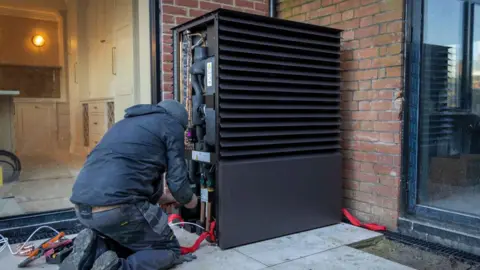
446	118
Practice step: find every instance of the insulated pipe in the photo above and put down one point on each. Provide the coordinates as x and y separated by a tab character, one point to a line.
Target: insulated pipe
273	8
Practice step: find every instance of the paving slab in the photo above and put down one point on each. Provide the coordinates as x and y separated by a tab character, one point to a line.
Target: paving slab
323	248
292	247
341	258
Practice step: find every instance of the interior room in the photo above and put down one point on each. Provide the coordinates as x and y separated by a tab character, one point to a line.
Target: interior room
67	72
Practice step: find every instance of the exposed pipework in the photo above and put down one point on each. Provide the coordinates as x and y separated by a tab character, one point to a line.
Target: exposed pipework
273	8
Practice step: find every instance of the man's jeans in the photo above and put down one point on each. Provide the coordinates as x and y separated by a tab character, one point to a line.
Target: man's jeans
142	228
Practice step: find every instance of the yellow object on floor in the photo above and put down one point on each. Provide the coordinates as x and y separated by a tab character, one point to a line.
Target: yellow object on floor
1	176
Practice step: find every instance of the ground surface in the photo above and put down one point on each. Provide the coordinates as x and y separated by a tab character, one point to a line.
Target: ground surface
415	257
321	249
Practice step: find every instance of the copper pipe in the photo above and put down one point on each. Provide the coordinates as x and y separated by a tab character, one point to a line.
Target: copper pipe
209	216
202	212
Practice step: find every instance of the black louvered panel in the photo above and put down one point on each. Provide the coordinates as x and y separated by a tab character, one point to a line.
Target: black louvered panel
437	121
279	90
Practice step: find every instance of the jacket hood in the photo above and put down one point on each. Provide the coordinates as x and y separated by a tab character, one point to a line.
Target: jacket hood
143	109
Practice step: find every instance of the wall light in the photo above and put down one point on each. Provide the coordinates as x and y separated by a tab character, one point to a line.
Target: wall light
38	41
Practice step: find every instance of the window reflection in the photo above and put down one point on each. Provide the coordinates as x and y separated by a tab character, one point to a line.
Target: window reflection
450	107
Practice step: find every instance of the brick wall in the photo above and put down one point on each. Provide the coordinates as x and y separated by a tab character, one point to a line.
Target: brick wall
372	78
176	12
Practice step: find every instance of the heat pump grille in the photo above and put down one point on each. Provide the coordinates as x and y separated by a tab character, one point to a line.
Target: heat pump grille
279	89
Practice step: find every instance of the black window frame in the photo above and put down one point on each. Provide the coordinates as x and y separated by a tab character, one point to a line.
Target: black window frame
414	23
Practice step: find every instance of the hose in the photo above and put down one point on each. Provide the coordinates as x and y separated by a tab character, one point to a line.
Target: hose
13	162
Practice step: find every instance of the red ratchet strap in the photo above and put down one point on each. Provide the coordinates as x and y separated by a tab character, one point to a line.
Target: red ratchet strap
356	222
200	239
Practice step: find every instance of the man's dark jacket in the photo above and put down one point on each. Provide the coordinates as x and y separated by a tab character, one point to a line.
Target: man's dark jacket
127	164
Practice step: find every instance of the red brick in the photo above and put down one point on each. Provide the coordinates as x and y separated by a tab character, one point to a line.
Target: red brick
386	191
385	159
260	6
347	36
174	10
366	74
387	137
225	2
365	53
386	39
209	5
365	63
311	6
366	32
394	71
244	4
394	27
366	42
381	105
326	3
337	17
387	83
366	21
364	105
393	149
385	94
180	20
347	25
349	4
367	2
387	126
365	95
349	65
320	12
347	15
365	85
187	3
365	135
196	13
367	115
388	16
388	61
386	116
367	10
167	67
168	18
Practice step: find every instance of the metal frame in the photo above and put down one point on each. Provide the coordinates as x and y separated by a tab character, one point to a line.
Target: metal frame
410	169
18	227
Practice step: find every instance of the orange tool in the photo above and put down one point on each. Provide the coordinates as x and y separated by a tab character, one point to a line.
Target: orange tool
38	252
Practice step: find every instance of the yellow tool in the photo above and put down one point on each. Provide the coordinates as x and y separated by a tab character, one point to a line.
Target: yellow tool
1	176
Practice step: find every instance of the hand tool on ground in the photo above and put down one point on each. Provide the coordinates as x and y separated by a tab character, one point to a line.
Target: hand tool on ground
57	255
40	251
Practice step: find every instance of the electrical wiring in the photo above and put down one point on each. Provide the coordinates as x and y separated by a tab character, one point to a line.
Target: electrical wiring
185	223
5	244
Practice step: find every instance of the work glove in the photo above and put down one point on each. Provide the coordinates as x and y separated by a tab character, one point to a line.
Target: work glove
184	258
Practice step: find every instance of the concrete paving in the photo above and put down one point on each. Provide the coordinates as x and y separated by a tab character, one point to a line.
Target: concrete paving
325	248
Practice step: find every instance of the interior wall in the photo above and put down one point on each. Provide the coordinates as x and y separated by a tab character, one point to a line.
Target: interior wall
16	47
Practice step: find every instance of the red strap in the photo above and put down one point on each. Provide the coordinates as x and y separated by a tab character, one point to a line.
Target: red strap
356	222
200	239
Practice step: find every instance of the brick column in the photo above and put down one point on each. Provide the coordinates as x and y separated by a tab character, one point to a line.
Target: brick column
372	78
174	12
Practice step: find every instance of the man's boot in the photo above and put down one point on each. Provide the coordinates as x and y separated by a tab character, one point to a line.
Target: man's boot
107	261
87	247
83	254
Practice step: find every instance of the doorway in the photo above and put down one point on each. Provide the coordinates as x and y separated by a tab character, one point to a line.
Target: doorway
444	112
74	66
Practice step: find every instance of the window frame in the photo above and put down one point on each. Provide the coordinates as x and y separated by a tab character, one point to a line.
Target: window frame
414	23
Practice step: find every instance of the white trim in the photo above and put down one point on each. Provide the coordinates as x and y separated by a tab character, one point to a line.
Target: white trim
30	14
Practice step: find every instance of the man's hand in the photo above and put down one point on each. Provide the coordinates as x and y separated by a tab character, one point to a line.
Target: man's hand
193	202
166	199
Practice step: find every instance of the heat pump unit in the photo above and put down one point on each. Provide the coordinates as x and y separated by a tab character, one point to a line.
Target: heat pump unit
263	143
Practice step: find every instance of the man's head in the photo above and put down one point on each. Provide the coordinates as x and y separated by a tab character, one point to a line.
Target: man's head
177	110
